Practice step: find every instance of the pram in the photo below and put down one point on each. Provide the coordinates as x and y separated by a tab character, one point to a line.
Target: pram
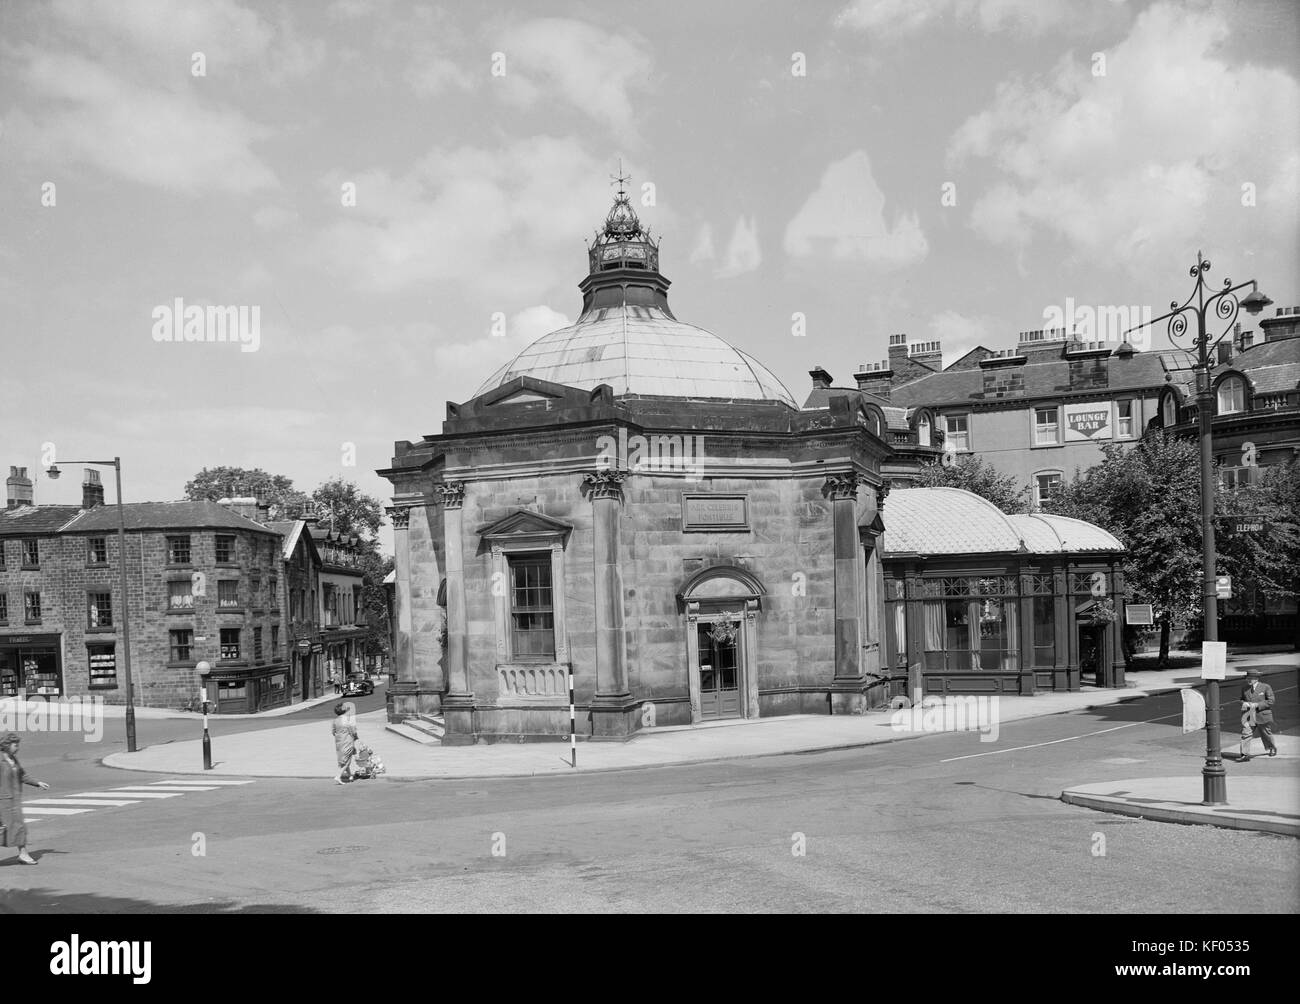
367	764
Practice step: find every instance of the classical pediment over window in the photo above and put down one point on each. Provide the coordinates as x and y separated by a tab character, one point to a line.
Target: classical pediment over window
522	524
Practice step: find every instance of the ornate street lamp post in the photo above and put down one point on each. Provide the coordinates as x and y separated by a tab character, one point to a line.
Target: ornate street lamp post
116	464
1224	306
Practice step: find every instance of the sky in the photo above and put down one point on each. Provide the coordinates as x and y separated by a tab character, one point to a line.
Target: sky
403	192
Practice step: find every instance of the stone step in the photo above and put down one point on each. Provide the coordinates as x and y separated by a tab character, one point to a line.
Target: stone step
434	726
421	736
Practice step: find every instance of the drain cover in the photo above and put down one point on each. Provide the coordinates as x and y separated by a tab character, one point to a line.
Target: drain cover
343	850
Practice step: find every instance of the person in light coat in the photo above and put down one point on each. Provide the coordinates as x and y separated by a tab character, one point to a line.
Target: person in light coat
13	828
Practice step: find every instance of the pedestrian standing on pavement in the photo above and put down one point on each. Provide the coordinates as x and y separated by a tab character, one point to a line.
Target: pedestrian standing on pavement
1256	703
13	828
345	739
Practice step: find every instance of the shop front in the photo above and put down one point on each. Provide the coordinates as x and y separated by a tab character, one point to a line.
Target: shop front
248	691
31	663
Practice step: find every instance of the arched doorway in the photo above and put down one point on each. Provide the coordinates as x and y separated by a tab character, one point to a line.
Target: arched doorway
722	604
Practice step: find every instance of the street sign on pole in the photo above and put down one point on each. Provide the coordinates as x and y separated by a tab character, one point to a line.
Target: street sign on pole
1223	587
1139	613
1214	660
1245	524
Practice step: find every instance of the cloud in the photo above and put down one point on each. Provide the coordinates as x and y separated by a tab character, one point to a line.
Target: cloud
702	250
154	137
844	218
958	333
1125	167
224	31
473	217
743	251
894	19
593	70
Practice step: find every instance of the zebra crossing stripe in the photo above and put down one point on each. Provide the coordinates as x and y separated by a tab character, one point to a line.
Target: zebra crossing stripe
49	811
205	781
133	794
177	788
80	801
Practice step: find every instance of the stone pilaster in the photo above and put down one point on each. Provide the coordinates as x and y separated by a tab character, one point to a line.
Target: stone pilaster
612	712
848	688
458	705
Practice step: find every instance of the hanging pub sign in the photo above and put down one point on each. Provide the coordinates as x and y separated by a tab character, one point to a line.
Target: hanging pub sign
1087	422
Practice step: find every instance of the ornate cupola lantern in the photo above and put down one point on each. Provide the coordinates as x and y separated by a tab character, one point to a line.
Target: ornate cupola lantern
623	262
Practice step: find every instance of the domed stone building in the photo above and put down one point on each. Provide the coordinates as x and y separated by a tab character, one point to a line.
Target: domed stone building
638	503
636	500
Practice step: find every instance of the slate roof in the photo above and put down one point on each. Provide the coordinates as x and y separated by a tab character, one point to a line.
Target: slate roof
1046	374
290	530
35	519
951	521
895	417
164	516
1271	367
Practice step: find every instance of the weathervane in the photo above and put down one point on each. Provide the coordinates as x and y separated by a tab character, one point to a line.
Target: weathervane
621	178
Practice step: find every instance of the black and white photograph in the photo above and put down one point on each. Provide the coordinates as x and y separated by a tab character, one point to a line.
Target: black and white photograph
731	458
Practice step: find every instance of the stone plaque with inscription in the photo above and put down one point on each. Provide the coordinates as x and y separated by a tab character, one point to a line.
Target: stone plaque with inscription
707	513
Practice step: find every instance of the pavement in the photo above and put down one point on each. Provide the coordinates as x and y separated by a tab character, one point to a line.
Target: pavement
1270	803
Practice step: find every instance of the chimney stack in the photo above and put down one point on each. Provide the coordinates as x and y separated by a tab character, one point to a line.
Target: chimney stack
875	378
245	506
820	378
18	489
92	490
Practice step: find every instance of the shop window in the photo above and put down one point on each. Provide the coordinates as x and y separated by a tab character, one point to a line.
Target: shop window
228	593
532	619
100	612
31	554
1047	426
102	660
4	609
97	551
957	432
275	642
179	595
225	548
977	631
181	644
32	607
230	644
178	550
1232	396
1044	631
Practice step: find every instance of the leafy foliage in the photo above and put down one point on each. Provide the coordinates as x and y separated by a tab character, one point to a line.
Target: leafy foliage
974	475
349	510
214	483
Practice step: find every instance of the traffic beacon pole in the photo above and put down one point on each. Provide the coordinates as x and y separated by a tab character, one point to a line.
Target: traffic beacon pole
1222	307
204	669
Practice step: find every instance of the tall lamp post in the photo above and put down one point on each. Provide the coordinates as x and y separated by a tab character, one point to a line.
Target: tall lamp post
116	464
1222	306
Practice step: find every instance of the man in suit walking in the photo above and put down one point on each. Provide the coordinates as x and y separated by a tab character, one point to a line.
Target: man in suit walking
1256	704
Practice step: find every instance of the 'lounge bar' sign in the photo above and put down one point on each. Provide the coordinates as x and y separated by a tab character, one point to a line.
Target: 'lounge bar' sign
1087	421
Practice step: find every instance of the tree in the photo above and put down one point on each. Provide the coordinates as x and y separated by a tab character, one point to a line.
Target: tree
213	483
343	506
974	475
1264	564
1150	498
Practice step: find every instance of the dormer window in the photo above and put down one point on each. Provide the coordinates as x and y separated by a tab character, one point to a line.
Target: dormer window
1232	396
1169	412
923	431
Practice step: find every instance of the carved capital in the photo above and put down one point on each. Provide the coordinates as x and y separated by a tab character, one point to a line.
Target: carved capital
881	494
842	486
451	495
607	484
401	517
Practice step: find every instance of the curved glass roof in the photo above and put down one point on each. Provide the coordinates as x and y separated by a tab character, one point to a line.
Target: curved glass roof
642	350
953	521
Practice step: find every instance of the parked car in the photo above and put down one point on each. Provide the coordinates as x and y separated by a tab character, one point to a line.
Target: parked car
357	685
